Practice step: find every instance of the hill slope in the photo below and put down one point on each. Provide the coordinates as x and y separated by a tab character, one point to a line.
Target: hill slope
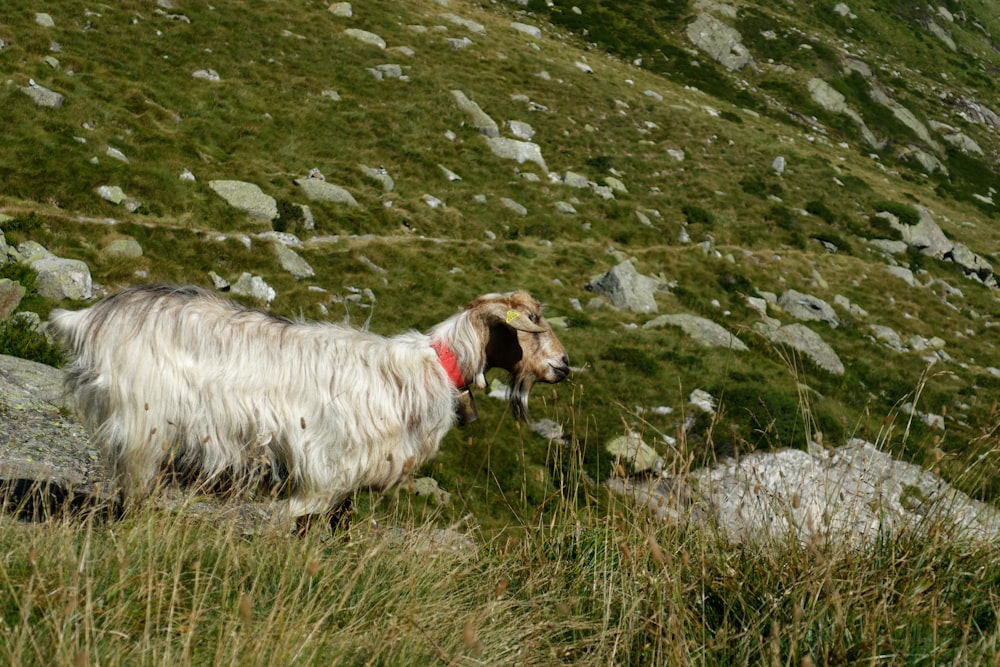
645	146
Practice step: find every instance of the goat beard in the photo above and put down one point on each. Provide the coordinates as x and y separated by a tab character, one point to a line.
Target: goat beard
520	389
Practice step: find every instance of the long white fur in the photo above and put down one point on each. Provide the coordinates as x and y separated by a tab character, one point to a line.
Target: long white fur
186	378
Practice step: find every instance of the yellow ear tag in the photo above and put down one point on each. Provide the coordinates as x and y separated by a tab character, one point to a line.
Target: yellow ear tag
512	315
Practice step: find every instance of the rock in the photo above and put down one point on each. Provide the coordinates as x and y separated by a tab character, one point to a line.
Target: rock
972	264
575	180
565	207
778	165
449	174
380	175
206	75
471	26
808	308
904	274
254	287
59	278
703	400
341	10
827	96
246	197
218	282
44	20
46	459
925	236
111	193
627	288
290	261
480	120
387	71
11	293
366	37
703	330
522	151
722	43
514	206
631	450
428	487
127	247
317	190
803	339
44	97
521	130
284	238
888	336
529	30
549	430
615	184
855	496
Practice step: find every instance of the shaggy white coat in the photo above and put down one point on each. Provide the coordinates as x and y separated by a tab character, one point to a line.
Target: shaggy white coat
182	379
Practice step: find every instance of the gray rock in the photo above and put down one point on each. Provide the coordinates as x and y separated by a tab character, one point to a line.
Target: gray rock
218	282
575	180
565	207
366	37
44	97
808	308
925	236
11	293
254	287
722	43
111	193
471	26
206	75
529	30
341	10
381	175
480	120
521	130
29	251
246	197
888	336
387	71
428	487
853	495
123	248
59	278
449	174
116	154
522	151
973	264
514	206
704	331
827	96
44	20
636	454
806	341
904	274
293	263
627	288
317	190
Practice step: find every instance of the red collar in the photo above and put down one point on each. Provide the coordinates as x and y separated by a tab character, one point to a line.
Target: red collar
449	362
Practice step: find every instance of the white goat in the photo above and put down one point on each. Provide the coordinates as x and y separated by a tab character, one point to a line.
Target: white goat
183	380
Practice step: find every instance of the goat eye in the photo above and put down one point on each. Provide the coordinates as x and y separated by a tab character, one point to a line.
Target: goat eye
533	318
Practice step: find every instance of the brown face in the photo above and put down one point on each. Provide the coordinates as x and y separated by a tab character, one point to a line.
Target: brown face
523	343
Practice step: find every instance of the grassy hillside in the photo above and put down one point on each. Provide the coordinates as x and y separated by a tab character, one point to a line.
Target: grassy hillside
125	69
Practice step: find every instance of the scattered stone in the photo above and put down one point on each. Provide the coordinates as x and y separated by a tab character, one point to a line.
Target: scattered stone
514	206
432	201
808	308
888	336
704	401
218	281
565	207
111	193
549	430
801	338
366	37
43	97
116	154
342	10
58	278
704	331
471	26
583	67
480	120
522	151
459	44
254	287
521	130
44	20
381	175
186	175
574	180
778	165
127	247
652	93
529	30
631	450
11	293
449	174
627	288
722	43
388	71
247	197
290	261
206	75
317	190
371	265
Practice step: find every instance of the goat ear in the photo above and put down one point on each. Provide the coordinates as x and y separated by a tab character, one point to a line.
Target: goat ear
501	313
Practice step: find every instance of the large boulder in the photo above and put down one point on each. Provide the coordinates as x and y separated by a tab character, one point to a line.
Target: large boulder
703	330
626	288
246	197
318	190
60	278
804	340
721	42
852	495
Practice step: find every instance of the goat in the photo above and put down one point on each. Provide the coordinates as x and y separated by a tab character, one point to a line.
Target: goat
183	380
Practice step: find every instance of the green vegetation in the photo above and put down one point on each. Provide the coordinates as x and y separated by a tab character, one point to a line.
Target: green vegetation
565	573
